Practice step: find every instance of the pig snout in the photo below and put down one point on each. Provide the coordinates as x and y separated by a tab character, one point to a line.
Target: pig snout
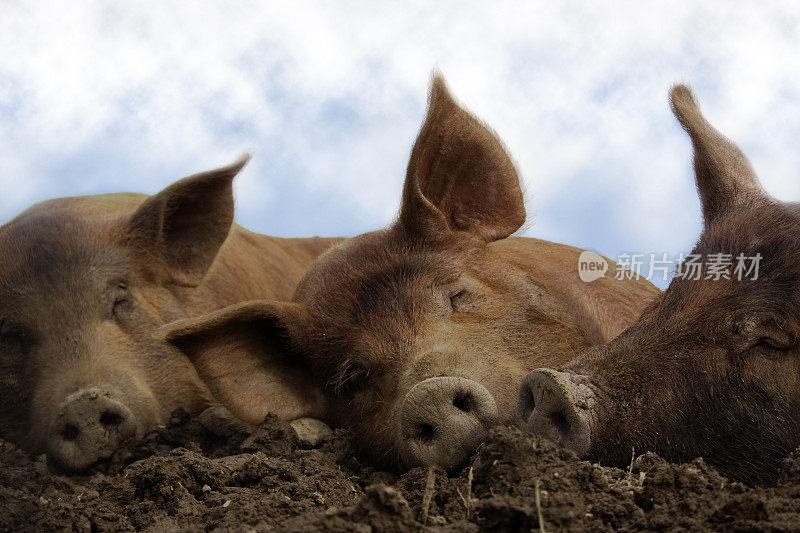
443	420
553	405
88	426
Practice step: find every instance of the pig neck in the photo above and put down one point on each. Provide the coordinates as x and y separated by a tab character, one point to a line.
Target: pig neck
603	308
252	266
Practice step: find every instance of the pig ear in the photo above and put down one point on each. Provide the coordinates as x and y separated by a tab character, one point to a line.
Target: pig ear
247	355
459	177
723	174
183	226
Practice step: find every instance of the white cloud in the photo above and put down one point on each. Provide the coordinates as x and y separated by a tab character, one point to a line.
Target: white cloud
329	97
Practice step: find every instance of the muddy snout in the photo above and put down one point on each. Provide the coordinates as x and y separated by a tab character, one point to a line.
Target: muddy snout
88	426
443	420
552	405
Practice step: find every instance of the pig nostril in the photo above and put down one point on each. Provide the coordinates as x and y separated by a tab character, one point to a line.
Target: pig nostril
527	403
560	422
70	432
426	432
463	402
110	420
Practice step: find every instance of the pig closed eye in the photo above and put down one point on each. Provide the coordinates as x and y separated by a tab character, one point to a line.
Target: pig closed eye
770	345
456	298
118	304
122	300
766	342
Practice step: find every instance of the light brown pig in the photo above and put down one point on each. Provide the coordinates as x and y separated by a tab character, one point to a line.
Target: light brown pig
84	283
712	368
420	333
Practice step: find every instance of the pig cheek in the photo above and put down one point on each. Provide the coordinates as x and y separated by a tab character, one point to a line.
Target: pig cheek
778	376
170	380
632	407
16	401
778	373
174	382
373	418
120	361
647	405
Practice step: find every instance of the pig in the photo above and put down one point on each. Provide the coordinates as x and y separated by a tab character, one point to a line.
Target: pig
419	334
712	367
85	282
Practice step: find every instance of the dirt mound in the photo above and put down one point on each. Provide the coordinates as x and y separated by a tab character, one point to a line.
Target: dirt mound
184	477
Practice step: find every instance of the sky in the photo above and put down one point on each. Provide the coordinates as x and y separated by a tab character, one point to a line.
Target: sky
328	96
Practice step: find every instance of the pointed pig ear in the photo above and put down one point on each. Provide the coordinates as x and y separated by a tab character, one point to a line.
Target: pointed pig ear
459	177
723	174
178	232
249	356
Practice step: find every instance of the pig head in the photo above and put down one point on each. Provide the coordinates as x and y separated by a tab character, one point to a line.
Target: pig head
419	333
712	368
84	284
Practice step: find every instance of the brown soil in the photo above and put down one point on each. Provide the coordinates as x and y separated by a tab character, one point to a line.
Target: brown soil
182	477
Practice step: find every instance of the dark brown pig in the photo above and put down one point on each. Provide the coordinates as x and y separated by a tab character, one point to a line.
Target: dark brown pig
420	333
712	368
84	283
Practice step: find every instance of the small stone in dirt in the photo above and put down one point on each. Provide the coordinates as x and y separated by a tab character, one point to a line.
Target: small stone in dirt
311	432
331	511
206	488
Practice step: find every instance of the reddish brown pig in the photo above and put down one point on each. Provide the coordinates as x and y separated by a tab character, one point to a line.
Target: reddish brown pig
712	368
84	283
420	333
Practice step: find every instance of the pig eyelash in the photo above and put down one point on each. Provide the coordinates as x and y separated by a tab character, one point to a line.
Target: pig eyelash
768	344
454	296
